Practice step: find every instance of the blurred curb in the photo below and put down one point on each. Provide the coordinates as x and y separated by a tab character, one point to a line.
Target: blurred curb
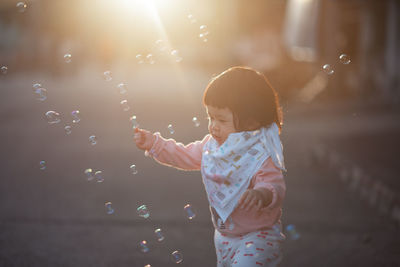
369	189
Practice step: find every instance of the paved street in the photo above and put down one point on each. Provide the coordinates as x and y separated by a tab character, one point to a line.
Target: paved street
55	217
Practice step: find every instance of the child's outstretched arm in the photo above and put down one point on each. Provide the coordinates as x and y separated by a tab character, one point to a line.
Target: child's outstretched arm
144	139
169	152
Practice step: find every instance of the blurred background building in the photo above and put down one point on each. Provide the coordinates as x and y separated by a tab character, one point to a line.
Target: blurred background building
289	40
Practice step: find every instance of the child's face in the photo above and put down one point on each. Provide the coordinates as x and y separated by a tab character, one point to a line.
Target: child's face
220	123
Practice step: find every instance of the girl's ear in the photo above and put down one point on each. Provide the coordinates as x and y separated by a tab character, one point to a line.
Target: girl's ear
250	125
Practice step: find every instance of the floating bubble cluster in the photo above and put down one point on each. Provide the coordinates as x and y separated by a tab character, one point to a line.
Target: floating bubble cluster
143	246
122	88
109	208
67	129
143	212
196	122
328	69
52	117
291	231
42	165
75	116
176	256
159	235
107	75
204	33
93	140
124	105
89	174
170	129
133	169
344	59
189	211
21	7
67	58
4	70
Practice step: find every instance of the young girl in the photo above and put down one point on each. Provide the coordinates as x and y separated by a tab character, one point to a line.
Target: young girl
241	163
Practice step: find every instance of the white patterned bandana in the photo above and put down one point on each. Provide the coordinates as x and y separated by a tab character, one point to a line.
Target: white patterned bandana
227	169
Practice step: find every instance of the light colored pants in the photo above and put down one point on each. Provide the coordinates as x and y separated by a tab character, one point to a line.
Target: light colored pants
261	248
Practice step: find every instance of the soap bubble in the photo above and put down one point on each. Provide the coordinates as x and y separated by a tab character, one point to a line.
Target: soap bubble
143	212
109	208
276	228
93	140
204	33
99	176
170	129
249	248
133	169
42	165
176	56
36	85
4	69
67	58
192	19
67	129
159	235
196	122
345	59
161	46
89	174
139	59
41	93
328	69
122	88
75	116
150	59
124	105
21	7
203	28
107	75
291	231
189	211
52	117
143	246
134	122
176	257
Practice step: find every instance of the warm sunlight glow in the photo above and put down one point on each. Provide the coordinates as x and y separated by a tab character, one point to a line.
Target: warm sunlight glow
146	7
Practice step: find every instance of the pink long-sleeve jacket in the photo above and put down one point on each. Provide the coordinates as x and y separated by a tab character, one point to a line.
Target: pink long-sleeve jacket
188	157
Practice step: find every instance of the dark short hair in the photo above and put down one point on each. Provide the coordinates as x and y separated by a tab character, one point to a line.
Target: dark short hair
248	94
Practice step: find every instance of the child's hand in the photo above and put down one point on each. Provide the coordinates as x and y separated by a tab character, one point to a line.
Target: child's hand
144	139
255	197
